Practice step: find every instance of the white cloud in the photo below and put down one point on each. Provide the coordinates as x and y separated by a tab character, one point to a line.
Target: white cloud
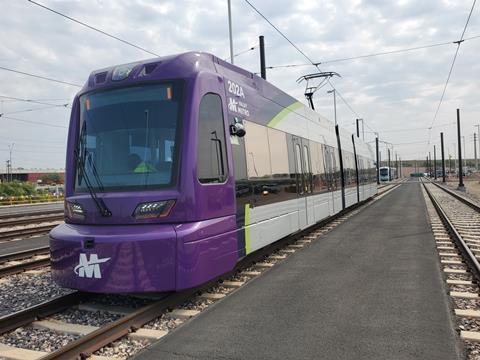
388	91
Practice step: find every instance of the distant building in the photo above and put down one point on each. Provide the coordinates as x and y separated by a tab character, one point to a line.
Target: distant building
31	175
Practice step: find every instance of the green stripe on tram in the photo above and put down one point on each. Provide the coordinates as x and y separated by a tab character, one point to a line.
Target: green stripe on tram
247	229
282	114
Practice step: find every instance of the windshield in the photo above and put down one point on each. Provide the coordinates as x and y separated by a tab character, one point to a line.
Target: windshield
128	138
384	172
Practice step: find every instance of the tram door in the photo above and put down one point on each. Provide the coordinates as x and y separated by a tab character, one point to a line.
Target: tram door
304	178
330	174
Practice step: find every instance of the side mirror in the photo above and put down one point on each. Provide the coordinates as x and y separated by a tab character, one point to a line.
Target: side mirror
237	129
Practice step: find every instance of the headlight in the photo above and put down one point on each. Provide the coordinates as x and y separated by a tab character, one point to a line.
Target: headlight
74	211
155	209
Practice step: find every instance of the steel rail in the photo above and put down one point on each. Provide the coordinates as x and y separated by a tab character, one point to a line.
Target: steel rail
88	344
14	214
24	254
468	255
24	266
31	219
42	310
11	234
464	200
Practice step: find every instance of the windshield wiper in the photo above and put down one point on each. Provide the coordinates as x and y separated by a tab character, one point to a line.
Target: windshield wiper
102	207
91	162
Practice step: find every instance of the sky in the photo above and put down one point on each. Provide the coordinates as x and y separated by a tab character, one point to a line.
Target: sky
397	94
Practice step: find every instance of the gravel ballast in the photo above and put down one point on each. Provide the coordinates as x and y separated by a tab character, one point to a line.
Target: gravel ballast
91	318
123	348
24	290
37	339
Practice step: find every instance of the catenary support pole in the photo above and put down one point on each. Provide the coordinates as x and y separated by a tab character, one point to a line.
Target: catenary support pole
342	174
478	136
435	161
460	166
357	178
378	160
230	29
475	150
389	166
335	105
429	164
263	69
443	157
358	128
10	149
396	165
7	165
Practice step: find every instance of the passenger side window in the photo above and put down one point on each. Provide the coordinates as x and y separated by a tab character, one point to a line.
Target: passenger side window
298	156
211	145
257	151
318	168
306	170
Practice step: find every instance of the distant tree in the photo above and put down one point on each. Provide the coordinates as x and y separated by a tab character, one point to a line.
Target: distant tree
53	178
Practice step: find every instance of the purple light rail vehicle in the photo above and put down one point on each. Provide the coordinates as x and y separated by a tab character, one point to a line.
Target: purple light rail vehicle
180	166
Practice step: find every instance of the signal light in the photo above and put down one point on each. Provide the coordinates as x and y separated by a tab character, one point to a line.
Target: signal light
155	209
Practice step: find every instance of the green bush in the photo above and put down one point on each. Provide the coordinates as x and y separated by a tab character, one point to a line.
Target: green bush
17	188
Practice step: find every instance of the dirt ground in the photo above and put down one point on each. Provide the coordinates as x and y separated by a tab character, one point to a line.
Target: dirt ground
472	186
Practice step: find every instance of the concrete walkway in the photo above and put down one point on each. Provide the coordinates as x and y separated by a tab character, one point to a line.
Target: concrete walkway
370	289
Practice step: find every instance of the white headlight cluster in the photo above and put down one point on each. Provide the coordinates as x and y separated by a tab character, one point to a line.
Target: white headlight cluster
155	209
74	211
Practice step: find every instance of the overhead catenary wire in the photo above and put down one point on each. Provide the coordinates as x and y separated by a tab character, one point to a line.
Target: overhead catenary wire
316	64
241	52
30	140
40	102
65	106
93	28
278	30
30	152
418	128
6	99
459	42
346	103
382	53
28	144
40	77
412	143
32	122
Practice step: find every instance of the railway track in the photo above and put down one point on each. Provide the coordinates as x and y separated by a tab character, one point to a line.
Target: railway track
30	224
21	233
154	319
8	221
19	210
393	182
455	222
21	261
